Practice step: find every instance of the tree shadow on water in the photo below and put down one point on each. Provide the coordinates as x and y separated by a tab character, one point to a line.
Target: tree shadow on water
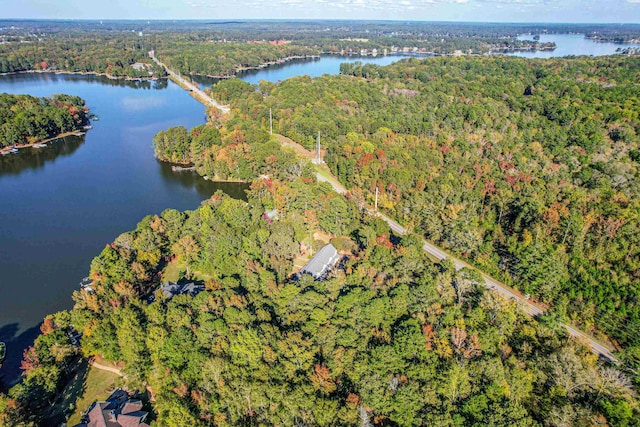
10	373
16	343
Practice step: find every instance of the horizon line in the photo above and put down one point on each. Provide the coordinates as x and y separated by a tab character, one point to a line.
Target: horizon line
240	20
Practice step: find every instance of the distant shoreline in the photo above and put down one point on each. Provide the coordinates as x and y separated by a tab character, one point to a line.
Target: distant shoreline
84	73
264	65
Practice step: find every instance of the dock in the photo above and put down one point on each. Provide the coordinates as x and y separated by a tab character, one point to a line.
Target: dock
182	169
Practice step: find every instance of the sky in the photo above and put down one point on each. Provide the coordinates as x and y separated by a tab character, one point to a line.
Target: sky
610	11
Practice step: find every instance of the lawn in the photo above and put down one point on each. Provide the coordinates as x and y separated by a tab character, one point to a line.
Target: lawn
97	386
175	270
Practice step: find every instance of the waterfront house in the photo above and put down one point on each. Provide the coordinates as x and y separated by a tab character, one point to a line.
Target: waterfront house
171	289
322	262
139	66
119	410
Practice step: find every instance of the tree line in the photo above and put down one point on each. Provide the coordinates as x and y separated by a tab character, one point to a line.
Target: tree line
27	119
84	53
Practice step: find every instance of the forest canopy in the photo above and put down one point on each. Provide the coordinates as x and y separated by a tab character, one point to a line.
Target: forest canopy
28	119
528	168
389	339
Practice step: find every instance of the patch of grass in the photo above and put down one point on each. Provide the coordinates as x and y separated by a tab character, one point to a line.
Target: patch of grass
299	262
174	271
321	237
96	386
199	276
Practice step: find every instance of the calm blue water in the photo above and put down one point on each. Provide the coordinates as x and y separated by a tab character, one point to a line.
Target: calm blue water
311	67
572	44
60	205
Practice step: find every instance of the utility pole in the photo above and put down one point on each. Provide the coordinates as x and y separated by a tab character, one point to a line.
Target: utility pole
319	160
376	202
270	121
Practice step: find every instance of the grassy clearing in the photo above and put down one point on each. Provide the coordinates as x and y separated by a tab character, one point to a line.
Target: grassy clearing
299	262
199	276
96	386
87	385
174	271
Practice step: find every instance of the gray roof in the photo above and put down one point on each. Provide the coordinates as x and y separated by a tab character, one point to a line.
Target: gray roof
272	214
322	262
171	289
192	289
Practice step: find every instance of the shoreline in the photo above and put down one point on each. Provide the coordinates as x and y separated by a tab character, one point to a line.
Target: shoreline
85	73
190	167
232	181
351	54
263	66
79	132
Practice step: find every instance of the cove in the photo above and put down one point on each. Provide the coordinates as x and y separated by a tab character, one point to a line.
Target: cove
572	44
313	67
60	205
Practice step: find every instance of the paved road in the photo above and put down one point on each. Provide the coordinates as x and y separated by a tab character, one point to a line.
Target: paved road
192	87
528	306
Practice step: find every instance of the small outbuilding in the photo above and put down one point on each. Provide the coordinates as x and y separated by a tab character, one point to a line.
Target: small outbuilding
139	66
322	262
271	215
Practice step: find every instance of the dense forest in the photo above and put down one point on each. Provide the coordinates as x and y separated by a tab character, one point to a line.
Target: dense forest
26	119
218	58
112	55
528	169
229	153
251	30
223	50
389	339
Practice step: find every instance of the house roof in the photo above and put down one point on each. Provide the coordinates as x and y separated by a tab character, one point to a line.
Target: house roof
131	406
322	262
117	411
171	289
192	289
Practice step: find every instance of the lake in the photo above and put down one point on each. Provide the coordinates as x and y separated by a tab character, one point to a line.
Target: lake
62	204
572	44
315	67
